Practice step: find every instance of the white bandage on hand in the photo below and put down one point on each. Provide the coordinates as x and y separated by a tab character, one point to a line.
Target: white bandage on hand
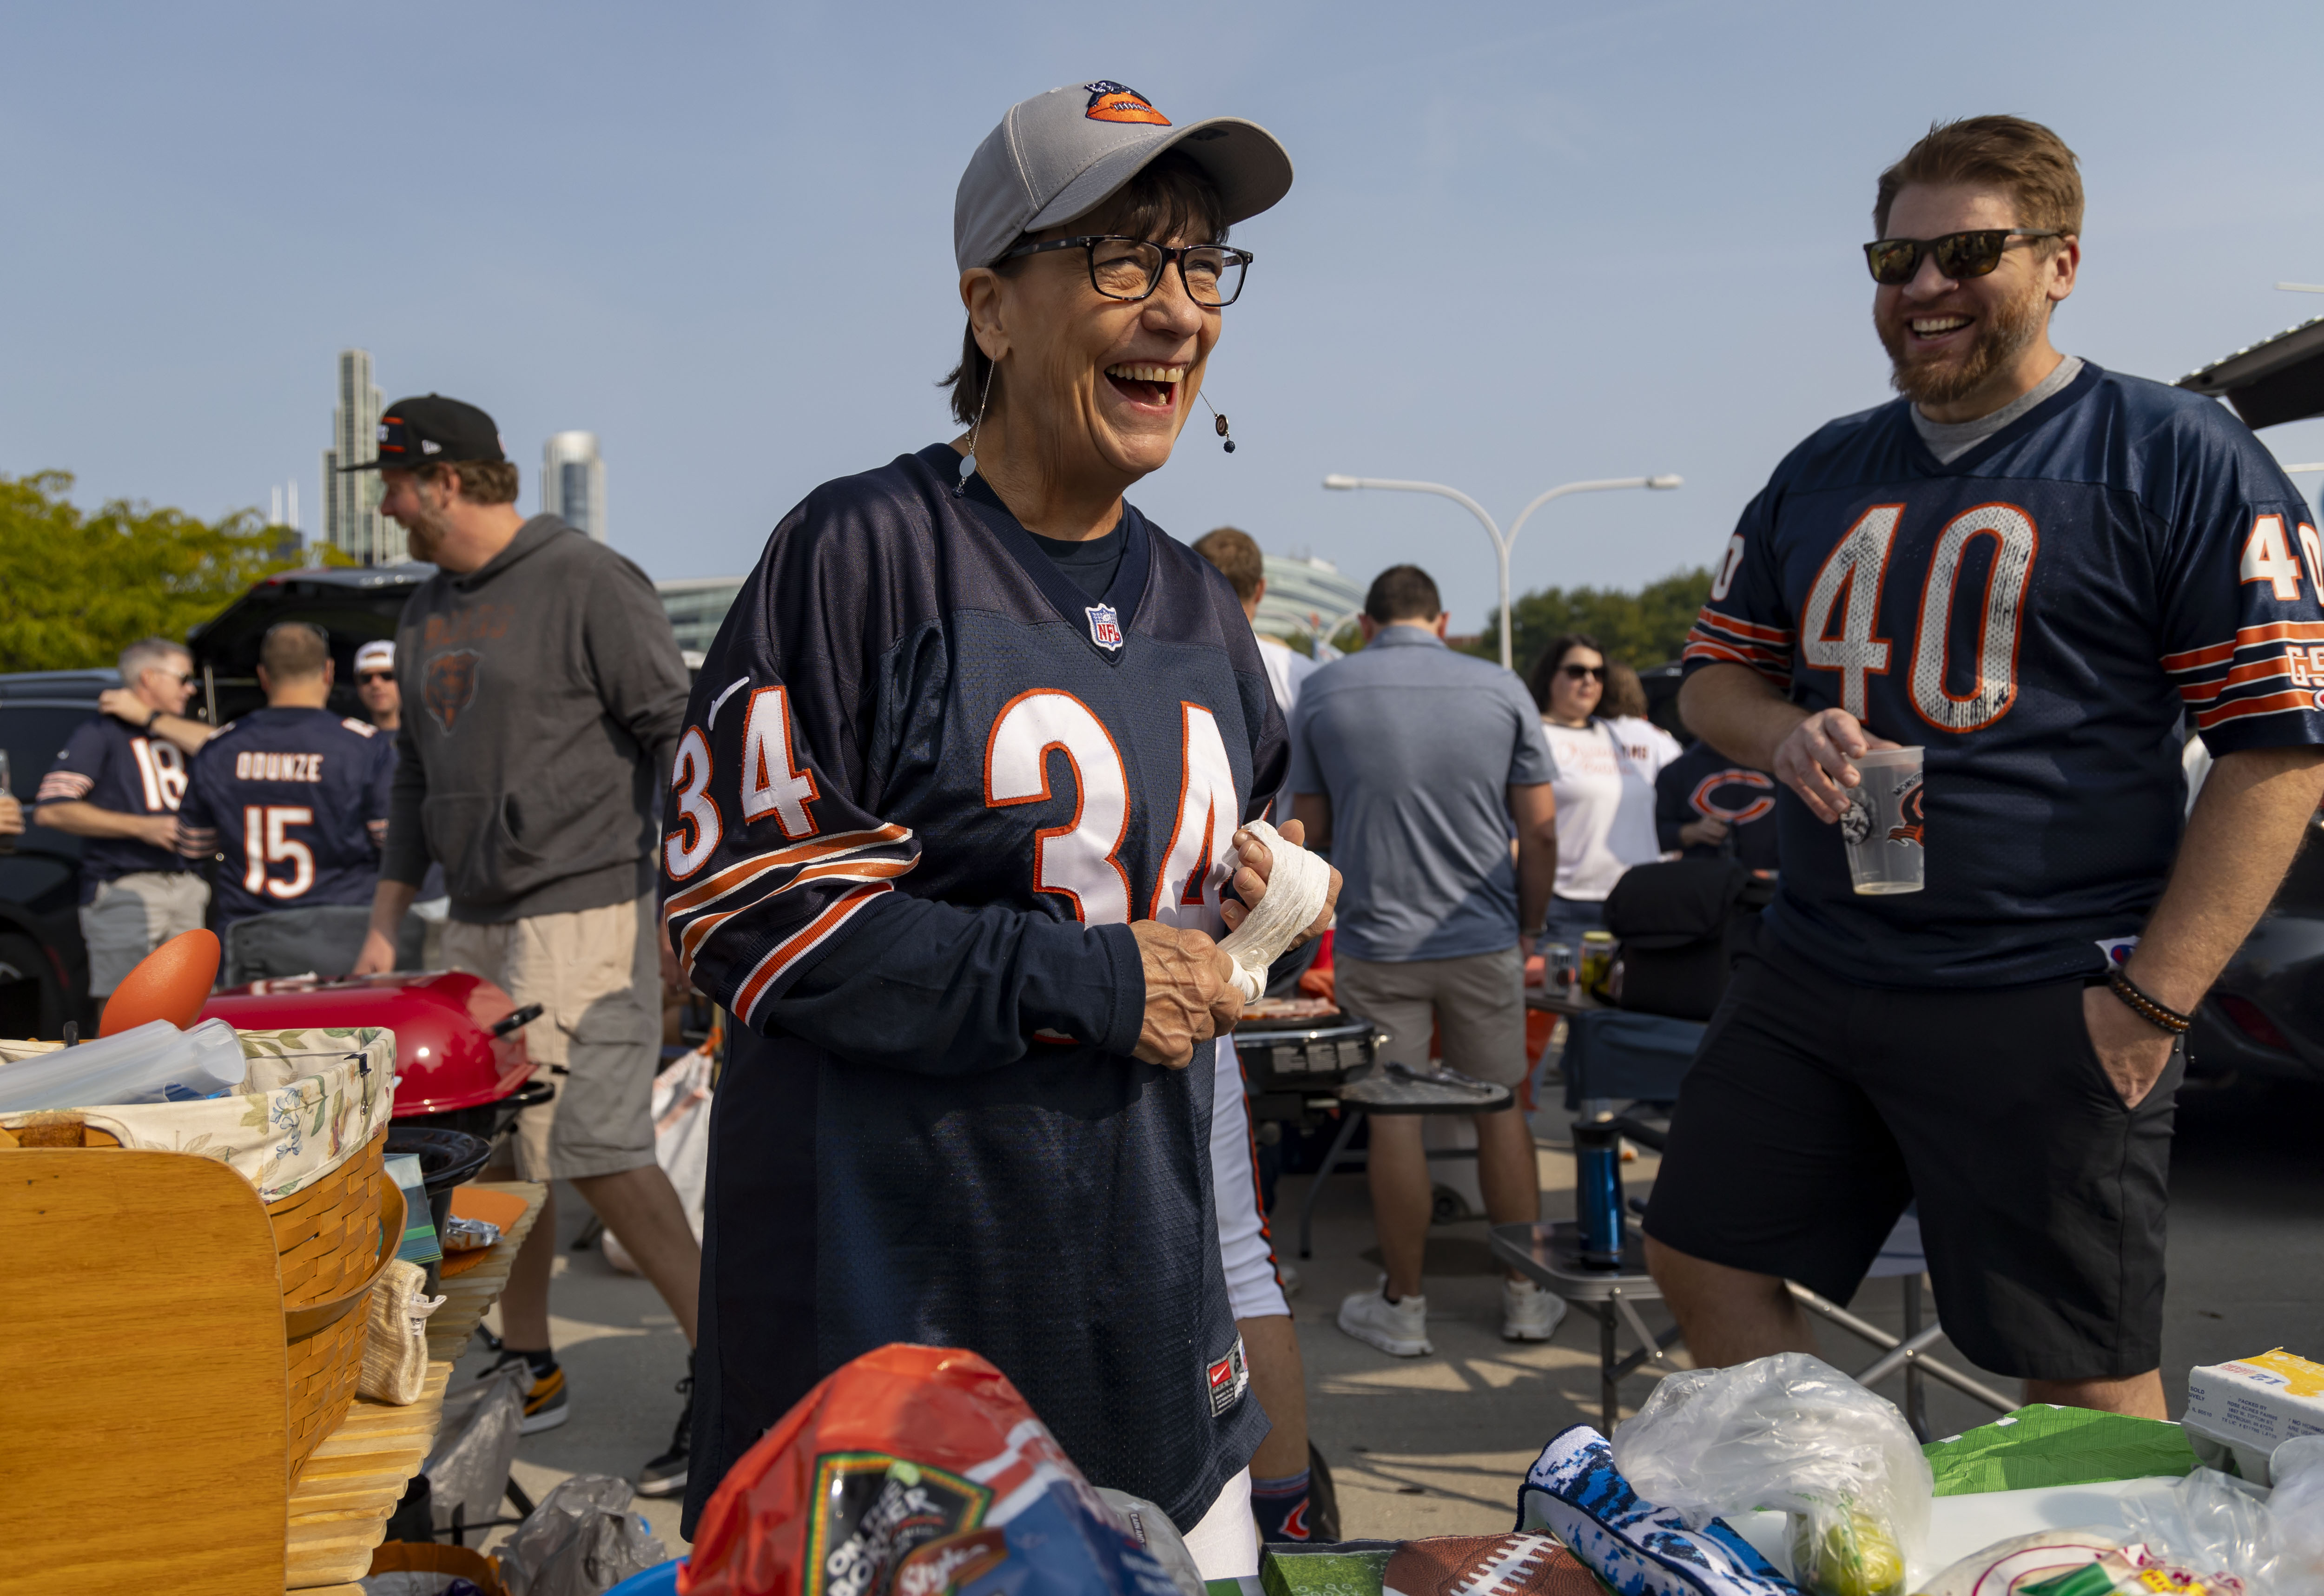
1298	884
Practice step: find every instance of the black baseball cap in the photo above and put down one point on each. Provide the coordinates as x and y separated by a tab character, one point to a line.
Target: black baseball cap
431	430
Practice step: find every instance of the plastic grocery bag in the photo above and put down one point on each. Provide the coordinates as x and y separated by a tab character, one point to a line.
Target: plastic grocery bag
681	1120
2295	1512
1794	1434
581	1540
913	1471
2207	1525
476	1444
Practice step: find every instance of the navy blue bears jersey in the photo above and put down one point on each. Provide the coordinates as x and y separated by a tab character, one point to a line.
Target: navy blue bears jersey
110	764
925	784
293	803
2039	614
1704	784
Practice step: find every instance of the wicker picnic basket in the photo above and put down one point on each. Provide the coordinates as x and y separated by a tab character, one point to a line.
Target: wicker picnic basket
335	1238
337	1220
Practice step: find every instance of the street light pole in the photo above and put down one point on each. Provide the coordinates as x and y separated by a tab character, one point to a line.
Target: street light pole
1502	543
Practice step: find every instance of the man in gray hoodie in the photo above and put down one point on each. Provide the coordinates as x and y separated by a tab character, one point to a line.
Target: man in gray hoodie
543	692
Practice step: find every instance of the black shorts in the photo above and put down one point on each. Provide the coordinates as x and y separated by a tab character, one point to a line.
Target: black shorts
1816	1110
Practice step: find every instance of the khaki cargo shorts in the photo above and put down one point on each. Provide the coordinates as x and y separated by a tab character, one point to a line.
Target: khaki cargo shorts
133	915
1476	1002
596	974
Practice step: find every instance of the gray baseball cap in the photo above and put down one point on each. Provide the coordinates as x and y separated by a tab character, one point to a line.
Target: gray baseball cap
1061	153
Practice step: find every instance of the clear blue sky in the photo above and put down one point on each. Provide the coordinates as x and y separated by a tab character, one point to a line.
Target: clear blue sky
1528	243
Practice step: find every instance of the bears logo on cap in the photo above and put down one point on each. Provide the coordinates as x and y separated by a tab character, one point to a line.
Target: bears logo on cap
1114	102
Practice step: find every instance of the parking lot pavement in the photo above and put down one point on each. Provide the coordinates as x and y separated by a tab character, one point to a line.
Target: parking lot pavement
622	1354
1437	1445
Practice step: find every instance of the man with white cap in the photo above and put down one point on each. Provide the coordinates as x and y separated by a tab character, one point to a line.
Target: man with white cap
383	701
955	815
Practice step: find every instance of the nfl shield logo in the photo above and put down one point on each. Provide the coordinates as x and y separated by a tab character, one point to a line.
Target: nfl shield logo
1105	626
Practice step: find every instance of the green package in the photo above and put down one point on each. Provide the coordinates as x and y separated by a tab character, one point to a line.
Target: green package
2046	1445
1348	1569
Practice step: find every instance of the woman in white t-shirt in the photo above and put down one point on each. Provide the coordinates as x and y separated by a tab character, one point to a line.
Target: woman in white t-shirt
1605	793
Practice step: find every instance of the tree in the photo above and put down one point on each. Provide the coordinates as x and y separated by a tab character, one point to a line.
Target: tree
1640	629
77	587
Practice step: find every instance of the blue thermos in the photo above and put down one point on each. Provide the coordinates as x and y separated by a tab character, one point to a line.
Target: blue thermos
1597	1193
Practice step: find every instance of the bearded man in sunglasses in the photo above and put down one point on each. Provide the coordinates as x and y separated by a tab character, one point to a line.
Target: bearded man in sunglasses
2030	569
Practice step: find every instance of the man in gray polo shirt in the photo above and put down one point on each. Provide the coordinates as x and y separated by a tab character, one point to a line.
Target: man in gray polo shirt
1415	767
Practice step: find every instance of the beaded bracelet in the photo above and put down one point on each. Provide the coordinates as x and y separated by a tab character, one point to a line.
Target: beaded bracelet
2144	1007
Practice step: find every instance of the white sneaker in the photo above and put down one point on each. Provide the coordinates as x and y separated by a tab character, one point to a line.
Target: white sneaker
1399	1329
1528	1312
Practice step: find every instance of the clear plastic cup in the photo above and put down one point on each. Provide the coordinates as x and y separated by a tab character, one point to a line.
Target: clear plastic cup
1881	824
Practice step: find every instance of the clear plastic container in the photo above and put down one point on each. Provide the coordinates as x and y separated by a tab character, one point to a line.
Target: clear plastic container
152	1062
1881	824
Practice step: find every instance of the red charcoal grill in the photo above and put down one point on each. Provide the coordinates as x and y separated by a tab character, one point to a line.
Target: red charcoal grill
460	1057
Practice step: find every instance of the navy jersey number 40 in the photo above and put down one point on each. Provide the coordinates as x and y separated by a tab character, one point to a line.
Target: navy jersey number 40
2039	614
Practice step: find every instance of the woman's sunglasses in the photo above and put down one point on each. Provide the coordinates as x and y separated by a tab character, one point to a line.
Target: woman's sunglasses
1894	261
1582	672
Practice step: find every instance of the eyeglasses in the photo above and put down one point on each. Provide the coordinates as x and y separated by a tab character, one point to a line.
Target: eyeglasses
1130	269
1896	261
1582	672
367	678
184	679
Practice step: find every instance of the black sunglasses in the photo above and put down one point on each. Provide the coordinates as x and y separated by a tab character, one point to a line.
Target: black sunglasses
1130	269
1894	261
366	677
1582	672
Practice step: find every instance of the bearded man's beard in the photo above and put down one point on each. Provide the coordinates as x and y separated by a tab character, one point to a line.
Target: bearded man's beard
424	531
2003	334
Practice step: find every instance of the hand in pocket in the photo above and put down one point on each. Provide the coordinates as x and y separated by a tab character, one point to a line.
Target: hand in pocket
2133	1052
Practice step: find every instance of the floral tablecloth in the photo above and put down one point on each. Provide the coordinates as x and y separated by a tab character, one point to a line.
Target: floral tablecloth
310	1101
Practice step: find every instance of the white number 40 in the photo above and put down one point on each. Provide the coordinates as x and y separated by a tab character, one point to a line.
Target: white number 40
2268	558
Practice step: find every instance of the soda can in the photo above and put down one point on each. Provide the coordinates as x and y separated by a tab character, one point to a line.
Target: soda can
1561	966
1597	960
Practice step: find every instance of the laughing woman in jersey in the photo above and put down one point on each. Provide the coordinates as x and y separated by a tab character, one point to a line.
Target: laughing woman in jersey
953	814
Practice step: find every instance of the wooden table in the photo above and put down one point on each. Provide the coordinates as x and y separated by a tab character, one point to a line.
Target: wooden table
468	1296
340	1507
1568	1000
339	1510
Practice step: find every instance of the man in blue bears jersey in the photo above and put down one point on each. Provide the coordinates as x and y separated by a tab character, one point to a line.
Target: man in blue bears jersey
116	784
292	798
2031	569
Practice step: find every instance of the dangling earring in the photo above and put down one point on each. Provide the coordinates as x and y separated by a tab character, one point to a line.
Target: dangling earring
1218	421
968	461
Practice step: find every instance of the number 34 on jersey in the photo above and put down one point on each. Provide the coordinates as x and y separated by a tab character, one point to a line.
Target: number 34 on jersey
1079	863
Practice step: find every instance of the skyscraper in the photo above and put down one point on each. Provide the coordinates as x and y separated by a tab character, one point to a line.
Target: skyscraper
351	517
573	481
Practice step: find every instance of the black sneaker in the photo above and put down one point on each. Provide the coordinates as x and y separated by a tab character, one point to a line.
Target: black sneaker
666	1475
545	1405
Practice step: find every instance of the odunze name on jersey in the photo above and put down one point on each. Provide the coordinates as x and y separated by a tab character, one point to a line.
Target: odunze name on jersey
251	765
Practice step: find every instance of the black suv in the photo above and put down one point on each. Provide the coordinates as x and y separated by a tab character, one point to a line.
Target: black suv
353	604
43	966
